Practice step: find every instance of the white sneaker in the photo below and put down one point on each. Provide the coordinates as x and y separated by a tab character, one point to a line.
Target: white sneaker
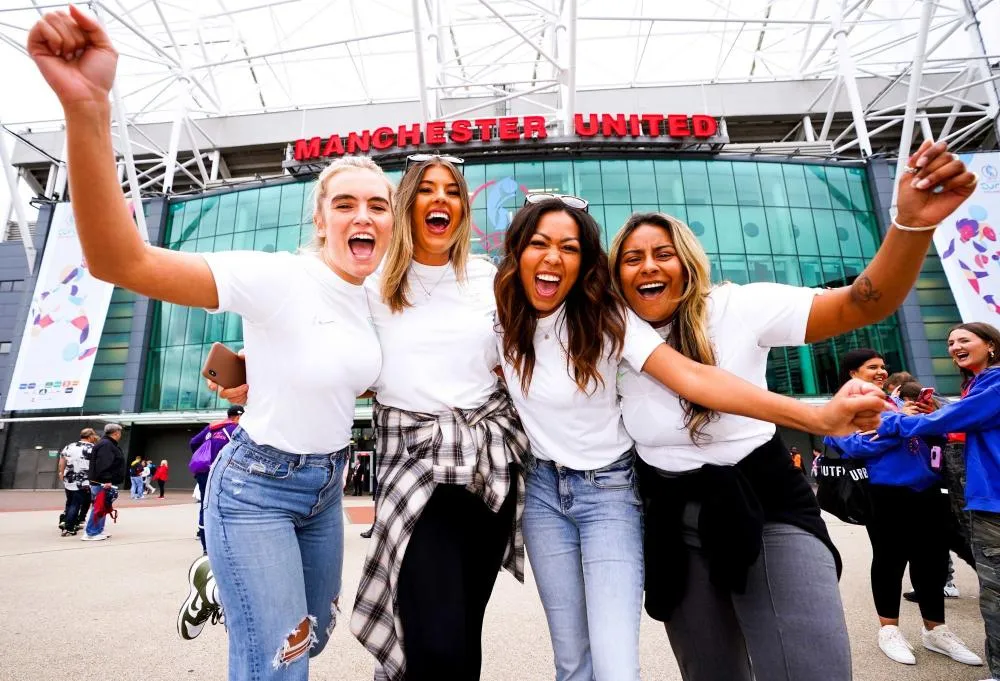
942	640
96	537
951	591
895	646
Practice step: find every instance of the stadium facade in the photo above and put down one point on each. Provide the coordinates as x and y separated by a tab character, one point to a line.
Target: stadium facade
771	196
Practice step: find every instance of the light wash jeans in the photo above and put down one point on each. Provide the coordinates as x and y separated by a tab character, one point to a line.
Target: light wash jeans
95	527
138	489
274	527
583	534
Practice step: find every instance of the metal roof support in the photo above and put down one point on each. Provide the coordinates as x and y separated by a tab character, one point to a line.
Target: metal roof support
981	64
913	94
118	108
567	91
425	93
847	76
170	160
17	202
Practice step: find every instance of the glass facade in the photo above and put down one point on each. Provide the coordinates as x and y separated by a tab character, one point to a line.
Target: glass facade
801	224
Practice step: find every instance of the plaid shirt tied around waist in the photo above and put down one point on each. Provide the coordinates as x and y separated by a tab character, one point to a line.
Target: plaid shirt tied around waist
416	452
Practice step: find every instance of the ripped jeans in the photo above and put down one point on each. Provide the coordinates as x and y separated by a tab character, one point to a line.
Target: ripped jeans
274	526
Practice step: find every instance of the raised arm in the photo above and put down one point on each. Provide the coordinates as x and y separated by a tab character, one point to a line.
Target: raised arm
78	61
855	407
880	289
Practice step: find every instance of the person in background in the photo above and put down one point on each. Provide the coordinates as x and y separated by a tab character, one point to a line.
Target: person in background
351	473
909	393
816	454
147	474
107	469
135	473
975	349
161	476
217	435
897	379
796	457
908	525
74	464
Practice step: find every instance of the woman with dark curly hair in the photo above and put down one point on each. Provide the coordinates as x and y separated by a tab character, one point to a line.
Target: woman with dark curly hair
564	333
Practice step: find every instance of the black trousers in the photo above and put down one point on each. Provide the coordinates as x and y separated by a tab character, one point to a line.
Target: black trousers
77	504
445	581
909	527
163	486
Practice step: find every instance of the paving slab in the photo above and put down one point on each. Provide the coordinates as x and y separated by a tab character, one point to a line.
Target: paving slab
68	607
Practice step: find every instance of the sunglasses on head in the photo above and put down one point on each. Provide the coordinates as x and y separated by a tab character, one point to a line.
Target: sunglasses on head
567	200
414	159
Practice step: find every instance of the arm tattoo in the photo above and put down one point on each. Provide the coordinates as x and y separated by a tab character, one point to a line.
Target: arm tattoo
864	291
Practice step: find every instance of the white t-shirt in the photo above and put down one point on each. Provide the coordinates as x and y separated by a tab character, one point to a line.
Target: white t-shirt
310	347
745	322
574	429
440	353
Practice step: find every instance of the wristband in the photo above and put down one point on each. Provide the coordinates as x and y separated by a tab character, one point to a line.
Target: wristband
904	228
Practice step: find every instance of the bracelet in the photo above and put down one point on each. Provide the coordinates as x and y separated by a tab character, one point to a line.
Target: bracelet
904	228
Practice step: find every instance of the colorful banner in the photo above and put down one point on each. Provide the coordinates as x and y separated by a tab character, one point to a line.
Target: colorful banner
968	245
64	325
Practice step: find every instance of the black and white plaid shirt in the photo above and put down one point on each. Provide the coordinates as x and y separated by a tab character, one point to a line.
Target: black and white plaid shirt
416	452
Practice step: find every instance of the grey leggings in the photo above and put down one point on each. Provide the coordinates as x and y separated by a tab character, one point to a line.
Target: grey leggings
788	626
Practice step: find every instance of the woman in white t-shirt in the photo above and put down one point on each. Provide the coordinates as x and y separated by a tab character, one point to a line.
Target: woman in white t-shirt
273	514
739	563
563	336
448	442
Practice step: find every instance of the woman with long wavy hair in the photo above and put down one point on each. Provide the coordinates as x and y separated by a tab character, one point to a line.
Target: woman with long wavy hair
739	564
564	335
975	349
908	525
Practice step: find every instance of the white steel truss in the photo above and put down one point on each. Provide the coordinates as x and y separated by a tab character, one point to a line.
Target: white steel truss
886	71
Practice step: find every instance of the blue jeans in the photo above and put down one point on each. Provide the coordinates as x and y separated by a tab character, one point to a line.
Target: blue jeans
274	528
583	534
138	489
95	527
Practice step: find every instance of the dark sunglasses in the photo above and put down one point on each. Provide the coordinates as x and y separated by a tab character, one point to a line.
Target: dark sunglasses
413	159
567	199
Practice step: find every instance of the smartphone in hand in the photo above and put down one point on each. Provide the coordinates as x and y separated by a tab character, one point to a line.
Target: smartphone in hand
225	367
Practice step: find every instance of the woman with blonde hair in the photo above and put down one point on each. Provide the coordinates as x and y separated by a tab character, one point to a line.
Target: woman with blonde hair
274	517
739	564
448	441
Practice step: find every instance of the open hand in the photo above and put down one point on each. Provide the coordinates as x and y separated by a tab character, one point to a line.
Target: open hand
856	406
940	185
75	56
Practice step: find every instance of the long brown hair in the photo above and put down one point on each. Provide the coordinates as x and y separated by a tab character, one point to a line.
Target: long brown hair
397	260
689	327
989	335
593	313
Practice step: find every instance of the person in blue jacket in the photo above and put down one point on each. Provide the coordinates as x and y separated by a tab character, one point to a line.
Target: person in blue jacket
908	525
975	349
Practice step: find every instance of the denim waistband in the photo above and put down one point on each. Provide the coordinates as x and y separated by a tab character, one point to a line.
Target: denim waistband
624	461
241	437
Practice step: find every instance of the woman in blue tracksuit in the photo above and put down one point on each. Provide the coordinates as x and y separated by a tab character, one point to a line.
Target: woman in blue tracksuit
908	525
975	349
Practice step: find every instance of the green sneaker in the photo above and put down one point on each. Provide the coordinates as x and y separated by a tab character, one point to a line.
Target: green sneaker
201	604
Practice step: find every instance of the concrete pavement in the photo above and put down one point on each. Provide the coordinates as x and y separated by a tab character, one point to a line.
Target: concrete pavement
67	606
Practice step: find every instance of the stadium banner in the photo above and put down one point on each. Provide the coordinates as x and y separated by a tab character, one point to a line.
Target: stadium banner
64	325
968	245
